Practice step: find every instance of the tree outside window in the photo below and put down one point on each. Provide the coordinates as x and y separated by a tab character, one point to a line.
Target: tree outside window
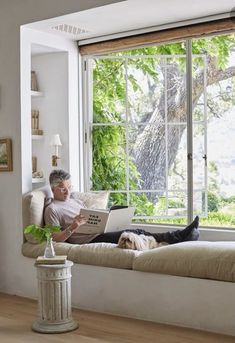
138	141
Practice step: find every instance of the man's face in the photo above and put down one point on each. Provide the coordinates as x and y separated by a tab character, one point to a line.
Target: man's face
62	190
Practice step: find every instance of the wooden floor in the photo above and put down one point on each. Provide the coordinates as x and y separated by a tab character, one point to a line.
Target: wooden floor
17	315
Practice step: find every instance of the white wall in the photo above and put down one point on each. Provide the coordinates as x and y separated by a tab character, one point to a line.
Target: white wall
67	102
13	14
52	76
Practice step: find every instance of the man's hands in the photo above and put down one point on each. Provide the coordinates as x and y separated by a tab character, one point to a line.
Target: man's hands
77	221
63	235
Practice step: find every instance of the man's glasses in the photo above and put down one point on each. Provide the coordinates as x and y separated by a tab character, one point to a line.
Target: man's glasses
65	189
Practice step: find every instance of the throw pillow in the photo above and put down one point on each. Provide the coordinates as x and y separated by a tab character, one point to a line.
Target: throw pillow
33	206
92	200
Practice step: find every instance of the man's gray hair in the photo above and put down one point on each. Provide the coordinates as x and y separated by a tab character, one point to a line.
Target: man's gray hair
57	176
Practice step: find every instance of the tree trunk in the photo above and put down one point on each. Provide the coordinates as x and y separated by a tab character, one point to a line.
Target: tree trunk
151	144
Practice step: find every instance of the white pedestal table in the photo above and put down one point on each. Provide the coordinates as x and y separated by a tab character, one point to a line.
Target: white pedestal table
54	299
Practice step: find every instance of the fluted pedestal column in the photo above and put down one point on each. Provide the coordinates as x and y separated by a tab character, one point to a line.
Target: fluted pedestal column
54	299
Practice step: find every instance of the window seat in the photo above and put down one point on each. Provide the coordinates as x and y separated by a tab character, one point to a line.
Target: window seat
189	284
205	260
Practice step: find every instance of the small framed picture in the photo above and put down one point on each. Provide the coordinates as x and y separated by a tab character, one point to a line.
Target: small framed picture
5	154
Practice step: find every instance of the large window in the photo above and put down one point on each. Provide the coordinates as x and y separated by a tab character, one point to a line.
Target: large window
157	143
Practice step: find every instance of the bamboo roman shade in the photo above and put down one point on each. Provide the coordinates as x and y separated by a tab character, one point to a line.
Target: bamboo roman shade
167	35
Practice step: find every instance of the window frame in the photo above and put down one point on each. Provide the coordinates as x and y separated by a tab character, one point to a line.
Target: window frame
88	110
228	28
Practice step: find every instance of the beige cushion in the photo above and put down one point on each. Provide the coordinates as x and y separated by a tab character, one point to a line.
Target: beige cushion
102	254
92	200
33	206
97	254
35	250
207	260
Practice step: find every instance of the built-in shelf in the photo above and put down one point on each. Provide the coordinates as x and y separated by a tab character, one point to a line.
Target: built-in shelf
36	94
38	180
37	137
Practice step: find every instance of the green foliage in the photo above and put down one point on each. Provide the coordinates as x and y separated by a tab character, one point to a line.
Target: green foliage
213	202
143	206
117	199
41	234
229	200
216	46
165	49
213	219
176	221
218	219
109	90
109	141
164	203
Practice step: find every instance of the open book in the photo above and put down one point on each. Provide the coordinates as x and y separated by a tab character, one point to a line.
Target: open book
100	221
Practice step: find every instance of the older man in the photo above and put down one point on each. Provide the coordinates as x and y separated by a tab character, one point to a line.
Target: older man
64	211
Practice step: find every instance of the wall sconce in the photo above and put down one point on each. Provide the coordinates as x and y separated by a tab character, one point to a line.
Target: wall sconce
56	142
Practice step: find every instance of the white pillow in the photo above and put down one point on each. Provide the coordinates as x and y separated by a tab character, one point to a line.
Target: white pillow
33	204
92	200
32	211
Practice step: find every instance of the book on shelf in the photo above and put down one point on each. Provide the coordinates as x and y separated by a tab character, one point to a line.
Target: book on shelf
100	221
37	132
60	259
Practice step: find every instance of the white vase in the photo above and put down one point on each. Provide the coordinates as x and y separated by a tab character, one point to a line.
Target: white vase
49	250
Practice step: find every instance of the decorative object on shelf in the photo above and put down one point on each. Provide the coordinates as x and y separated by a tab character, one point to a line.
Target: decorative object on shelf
34	82
35	123
37	174
56	142
42	234
36	94
38	180
34	164
6	154
37	132
37	137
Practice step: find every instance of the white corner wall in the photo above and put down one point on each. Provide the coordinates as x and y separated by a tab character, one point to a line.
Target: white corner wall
52	76
13	14
58	80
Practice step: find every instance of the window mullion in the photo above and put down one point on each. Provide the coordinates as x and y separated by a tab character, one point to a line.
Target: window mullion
189	109
205	135
88	120
166	128
127	134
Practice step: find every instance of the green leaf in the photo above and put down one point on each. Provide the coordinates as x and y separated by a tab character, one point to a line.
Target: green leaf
41	233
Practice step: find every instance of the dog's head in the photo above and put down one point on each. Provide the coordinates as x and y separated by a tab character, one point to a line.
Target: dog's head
125	241
130	240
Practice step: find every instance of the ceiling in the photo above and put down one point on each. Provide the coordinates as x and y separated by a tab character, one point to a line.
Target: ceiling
130	15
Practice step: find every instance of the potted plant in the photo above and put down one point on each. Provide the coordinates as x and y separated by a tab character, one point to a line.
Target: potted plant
43	234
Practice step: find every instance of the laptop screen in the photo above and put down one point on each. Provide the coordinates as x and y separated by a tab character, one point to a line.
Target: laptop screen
119	219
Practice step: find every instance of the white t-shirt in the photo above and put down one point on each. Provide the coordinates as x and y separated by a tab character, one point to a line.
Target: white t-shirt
62	213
